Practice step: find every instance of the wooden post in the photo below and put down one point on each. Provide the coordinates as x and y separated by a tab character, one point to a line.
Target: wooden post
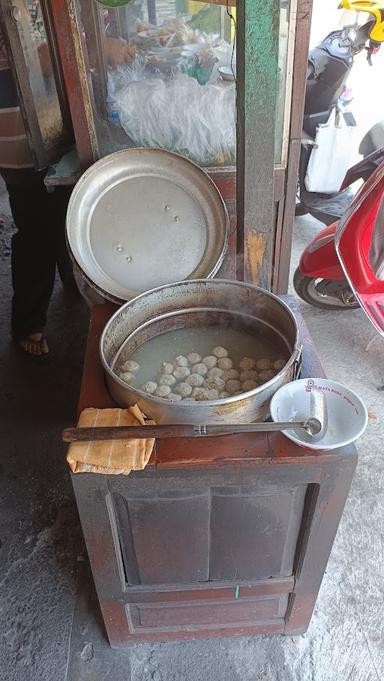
303	30
76	79
257	94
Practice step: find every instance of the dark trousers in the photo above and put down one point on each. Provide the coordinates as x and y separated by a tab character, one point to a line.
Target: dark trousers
37	247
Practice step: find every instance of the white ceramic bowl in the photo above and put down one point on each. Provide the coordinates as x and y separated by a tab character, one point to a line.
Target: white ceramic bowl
347	414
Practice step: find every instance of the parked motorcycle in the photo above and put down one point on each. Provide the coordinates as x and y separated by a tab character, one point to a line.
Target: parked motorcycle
342	268
329	66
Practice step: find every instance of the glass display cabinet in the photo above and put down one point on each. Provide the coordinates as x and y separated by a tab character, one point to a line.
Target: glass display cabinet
161	74
29	35
220	82
164	74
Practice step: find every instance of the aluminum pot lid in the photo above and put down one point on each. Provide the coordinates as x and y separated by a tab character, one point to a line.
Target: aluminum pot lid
142	218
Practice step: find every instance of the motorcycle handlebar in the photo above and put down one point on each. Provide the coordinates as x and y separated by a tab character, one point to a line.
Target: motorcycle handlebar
362	36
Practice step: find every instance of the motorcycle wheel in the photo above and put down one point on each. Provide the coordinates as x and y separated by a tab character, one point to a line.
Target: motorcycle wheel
309	290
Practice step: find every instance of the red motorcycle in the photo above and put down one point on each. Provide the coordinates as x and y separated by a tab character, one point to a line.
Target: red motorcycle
343	267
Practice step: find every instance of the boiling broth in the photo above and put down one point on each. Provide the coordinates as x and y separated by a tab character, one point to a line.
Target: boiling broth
166	346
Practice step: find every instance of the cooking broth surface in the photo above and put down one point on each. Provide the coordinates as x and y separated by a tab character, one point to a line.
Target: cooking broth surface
167	346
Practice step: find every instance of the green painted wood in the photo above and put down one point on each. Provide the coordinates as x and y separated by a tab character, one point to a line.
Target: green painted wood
257	97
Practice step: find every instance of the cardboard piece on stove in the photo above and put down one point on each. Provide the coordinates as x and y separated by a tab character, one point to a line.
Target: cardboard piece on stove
110	457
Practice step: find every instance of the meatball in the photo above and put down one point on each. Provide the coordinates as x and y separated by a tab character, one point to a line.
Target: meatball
127	377
263	364
130	366
163	391
232	386
223	395
225	363
200	369
183	389
180	373
173	397
249	385
167	379
215	383
210	361
195	380
230	373
194	358
205	394
279	364
247	363
248	376
219	352
181	361
149	387
215	373
266	375
166	368
200	394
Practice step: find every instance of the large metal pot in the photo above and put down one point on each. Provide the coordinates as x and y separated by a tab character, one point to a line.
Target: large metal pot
177	305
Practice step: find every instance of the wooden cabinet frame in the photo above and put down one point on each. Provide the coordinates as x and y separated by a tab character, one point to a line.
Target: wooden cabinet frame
46	146
276	596
265	192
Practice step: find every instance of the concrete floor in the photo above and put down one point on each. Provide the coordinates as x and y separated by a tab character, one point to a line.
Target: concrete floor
50	623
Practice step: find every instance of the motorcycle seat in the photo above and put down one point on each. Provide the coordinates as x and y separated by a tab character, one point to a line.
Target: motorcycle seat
327	207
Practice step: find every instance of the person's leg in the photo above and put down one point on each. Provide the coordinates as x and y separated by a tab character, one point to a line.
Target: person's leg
33	260
59	204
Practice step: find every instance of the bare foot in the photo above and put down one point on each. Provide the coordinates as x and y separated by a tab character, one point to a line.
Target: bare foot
35	344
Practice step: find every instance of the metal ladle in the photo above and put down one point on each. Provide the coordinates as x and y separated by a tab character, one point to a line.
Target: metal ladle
314	426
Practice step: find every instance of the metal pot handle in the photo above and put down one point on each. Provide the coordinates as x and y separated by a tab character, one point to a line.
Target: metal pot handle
297	362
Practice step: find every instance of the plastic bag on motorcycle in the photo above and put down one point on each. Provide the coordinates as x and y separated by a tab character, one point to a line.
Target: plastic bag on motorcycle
334	151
